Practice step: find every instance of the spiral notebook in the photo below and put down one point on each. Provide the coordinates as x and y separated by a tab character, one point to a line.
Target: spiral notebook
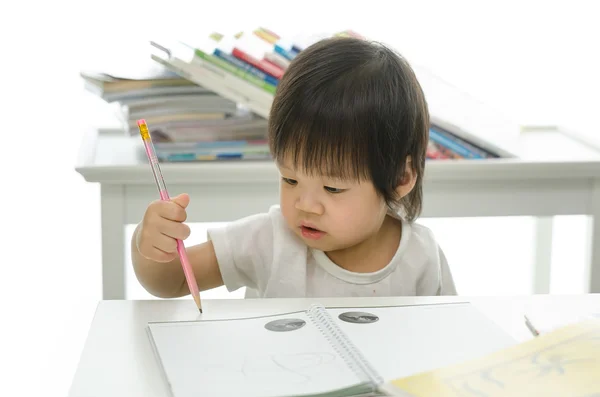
321	351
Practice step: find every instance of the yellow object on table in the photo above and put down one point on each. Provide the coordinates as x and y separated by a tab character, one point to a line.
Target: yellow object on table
565	362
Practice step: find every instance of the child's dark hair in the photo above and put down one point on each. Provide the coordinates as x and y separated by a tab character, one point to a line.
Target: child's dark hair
353	109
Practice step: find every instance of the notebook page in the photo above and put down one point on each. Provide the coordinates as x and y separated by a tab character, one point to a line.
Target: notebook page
241	357
410	339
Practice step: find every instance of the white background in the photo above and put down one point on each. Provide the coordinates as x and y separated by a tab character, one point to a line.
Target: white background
536	61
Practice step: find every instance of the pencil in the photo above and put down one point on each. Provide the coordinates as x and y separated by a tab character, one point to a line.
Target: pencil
164	195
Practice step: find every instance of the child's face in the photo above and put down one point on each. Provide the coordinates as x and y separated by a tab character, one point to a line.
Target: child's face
329	214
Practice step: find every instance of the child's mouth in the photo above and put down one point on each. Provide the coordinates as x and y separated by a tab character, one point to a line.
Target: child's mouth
311	233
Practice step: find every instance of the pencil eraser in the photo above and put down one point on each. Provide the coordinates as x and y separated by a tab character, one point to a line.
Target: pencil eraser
140	122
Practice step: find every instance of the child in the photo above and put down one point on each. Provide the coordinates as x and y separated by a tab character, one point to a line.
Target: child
348	131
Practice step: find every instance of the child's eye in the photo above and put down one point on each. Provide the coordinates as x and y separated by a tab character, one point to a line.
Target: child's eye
333	189
289	181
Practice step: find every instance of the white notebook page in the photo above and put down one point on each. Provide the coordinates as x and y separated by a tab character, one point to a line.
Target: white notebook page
410	339
241	357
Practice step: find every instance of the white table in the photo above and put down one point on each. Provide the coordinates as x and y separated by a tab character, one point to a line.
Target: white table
560	178
117	359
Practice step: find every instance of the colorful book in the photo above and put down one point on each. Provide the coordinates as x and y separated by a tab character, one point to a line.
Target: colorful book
458	145
285	48
208	50
183	60
225	51
252	50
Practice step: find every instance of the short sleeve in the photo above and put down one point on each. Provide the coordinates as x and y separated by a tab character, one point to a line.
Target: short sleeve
435	277
244	251
447	286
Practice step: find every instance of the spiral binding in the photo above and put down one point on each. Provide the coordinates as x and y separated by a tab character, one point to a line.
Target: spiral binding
344	347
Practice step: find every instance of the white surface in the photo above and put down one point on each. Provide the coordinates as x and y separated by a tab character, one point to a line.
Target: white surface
542	259
545	181
547	316
118	360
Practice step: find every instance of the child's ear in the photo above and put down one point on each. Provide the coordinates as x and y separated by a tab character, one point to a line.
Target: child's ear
408	180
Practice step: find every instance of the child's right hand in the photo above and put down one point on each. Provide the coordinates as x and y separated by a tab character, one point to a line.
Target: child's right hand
161	226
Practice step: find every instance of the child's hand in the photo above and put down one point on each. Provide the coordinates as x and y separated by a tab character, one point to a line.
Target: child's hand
161	226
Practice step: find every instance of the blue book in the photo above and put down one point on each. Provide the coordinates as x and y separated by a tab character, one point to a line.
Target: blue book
245	66
284	52
455	145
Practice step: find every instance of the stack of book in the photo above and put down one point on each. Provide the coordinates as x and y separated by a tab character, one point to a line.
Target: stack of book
246	68
127	87
186	121
241	135
211	97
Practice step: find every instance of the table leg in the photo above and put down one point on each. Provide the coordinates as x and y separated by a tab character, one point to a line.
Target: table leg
593	248
542	261
112	200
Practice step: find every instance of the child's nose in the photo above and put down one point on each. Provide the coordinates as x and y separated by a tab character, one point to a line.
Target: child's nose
310	204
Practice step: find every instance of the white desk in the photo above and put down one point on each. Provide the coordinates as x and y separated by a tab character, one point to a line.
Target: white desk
543	182
117	359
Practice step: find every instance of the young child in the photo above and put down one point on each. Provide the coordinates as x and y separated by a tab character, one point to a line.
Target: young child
348	131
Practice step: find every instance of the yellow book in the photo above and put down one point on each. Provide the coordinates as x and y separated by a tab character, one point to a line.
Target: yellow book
564	363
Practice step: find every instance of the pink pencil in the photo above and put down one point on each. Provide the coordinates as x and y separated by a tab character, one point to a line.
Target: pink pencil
164	195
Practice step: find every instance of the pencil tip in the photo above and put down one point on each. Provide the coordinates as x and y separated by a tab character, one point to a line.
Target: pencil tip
198	303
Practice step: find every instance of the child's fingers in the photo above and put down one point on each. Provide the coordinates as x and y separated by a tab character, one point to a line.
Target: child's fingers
165	243
170	210
183	200
176	230
159	255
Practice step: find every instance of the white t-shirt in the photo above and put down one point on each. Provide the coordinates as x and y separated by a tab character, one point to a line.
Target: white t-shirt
259	252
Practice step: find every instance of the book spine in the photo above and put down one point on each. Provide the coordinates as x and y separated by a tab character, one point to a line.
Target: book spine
434	152
245	144
452	144
245	66
227	83
345	348
215	79
236	71
289	55
258	63
189	157
469	150
180	71
277	60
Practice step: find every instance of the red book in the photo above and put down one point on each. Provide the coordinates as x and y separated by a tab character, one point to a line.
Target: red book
261	64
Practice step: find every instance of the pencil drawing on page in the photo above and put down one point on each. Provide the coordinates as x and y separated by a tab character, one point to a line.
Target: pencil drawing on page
286	368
